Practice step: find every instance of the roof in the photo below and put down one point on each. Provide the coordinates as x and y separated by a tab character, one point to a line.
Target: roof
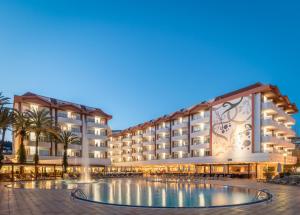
60	104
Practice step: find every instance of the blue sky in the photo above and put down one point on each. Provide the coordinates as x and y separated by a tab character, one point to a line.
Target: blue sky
138	60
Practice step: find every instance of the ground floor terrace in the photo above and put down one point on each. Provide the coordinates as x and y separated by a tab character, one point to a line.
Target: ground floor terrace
35	201
18	172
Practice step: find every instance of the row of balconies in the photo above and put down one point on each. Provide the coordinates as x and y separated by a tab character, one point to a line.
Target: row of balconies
277	127
70	146
278	151
278	112
152	143
77	121
277	142
165	149
199	133
149	133
161	155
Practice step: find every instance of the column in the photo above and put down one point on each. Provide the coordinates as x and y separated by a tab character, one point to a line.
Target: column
256	112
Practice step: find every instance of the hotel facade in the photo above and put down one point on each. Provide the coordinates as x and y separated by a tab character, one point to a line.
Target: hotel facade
89	124
243	132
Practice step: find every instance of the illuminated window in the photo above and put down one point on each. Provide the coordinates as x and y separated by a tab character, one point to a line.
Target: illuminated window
97	142
97	131
69	114
97	120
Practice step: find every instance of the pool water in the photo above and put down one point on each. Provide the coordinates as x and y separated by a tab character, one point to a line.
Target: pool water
140	192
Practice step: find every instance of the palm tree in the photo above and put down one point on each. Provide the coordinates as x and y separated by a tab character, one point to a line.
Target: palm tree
6	119
21	128
66	137
40	123
3	100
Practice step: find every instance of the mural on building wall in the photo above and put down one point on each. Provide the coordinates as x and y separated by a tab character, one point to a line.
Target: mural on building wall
232	127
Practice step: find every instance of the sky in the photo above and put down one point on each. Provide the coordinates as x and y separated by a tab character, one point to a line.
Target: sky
138	60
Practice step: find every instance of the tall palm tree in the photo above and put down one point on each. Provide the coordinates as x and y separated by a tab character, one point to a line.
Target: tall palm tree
6	120
21	125
66	137
40	123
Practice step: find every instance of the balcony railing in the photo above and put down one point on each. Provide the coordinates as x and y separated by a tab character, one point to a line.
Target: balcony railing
200	142
179	145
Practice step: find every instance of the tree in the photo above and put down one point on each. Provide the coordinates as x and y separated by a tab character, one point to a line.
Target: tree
6	120
3	100
40	123
66	138
21	128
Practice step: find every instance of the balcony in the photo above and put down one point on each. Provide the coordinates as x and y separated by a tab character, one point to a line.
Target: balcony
279	128
163	130
269	123
116	156
179	125
200	133
284	116
180	148
74	121
148	133
116	143
200	119
277	142
180	137
126	147
136	145
163	140
77	133
97	136
75	146
116	150
271	108
126	139
177	156
127	155
97	148
163	150
150	152
96	125
200	146
42	144
137	153
148	143
137	137
286	131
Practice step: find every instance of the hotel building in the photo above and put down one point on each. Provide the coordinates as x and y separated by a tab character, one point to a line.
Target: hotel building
89	124
243	132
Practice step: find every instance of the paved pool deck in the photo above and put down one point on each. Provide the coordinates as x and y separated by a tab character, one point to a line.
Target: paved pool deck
286	200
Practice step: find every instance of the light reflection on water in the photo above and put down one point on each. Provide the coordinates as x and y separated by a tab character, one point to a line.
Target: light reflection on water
140	192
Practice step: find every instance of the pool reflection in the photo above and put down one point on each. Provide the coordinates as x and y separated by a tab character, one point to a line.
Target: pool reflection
139	192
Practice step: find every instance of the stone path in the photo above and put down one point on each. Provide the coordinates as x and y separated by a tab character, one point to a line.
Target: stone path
286	201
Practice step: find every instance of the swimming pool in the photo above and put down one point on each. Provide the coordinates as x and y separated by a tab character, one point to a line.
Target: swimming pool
140	192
